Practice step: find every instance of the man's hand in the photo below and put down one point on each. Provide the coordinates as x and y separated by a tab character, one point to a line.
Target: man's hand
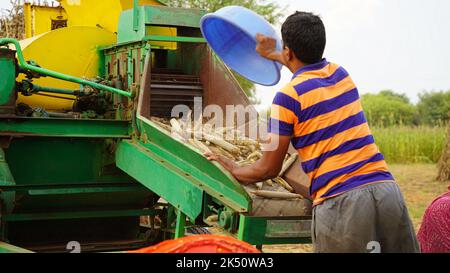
228	164
267	167
267	48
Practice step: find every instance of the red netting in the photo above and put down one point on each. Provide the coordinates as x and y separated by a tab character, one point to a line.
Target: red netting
201	244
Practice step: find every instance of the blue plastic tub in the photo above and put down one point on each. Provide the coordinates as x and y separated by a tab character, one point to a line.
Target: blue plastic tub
231	33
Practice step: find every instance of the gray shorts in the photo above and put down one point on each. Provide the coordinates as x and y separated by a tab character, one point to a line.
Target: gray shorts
372	218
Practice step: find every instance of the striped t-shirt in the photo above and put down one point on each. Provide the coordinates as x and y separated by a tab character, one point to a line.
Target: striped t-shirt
321	109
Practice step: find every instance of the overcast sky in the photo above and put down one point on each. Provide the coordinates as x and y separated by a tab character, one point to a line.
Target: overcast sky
384	44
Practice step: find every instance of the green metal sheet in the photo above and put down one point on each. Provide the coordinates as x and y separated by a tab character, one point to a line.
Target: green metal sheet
133	22
131	28
161	177
210	176
181	225
168	16
7	248
69	174
18	217
180	39
65	127
8	72
274	230
6	179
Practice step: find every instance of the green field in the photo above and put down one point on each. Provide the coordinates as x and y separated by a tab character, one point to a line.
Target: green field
404	144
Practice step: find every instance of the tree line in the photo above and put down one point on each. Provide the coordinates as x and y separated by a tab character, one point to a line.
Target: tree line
389	108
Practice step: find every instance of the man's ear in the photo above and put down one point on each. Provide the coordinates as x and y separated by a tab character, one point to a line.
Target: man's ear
287	55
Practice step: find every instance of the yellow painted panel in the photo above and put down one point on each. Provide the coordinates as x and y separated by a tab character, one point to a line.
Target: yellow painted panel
104	13
163	31
128	4
72	51
38	19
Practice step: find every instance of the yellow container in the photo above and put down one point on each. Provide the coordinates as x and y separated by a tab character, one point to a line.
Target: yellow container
72	51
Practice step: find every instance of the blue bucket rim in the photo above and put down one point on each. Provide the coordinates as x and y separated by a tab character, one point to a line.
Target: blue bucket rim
215	16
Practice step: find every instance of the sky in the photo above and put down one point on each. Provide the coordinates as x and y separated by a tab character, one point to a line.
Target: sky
401	45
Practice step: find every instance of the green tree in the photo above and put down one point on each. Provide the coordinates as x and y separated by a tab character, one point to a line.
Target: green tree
269	9
388	108
389	93
434	107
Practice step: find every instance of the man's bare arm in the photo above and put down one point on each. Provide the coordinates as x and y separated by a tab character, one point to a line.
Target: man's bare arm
269	166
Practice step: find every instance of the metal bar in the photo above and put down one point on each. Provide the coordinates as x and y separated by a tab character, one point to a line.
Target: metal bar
72	188
80	190
64	127
136	15
39	88
20	217
256	230
56	97
181	224
61	115
24	65
178	188
166	93
173	86
180	39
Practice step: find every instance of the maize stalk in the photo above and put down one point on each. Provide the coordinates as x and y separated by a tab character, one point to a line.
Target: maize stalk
277	195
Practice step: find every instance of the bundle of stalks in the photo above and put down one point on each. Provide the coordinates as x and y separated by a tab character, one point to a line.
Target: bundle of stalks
444	161
232	144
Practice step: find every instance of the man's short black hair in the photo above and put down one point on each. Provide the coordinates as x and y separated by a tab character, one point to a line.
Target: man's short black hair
304	33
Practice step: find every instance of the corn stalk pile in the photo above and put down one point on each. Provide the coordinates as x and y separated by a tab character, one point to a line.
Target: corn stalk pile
444	161
12	23
235	146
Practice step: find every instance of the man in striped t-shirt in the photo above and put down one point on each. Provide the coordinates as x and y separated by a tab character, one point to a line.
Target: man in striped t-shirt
357	204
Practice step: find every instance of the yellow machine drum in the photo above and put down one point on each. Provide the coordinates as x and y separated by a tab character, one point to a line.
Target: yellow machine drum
72	51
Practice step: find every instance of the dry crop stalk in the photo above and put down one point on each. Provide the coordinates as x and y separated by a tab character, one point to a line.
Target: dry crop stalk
269	182
212	218
255	155
223	152
221	143
198	144
284	184
277	195
176	126
242	150
287	164
162	125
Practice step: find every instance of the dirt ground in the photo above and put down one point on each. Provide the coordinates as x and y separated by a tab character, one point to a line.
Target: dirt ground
419	187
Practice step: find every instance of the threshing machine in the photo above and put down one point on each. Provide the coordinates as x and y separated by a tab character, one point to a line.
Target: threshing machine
80	159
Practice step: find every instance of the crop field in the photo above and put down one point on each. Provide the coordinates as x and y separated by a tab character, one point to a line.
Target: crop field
405	144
